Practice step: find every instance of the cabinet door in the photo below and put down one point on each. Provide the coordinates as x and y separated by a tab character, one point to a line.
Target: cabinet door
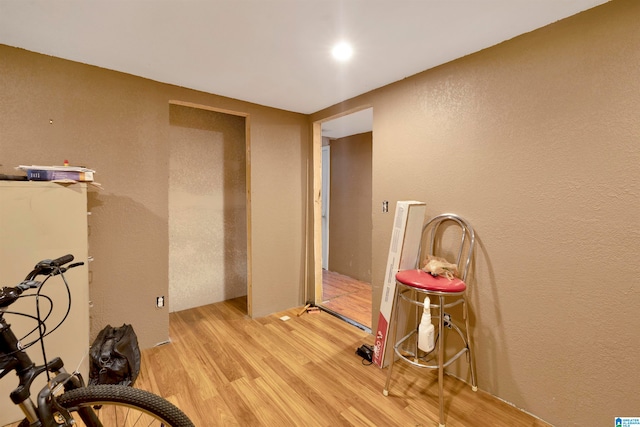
41	220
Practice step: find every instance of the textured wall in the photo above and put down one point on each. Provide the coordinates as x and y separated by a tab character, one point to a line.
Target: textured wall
207	207
350	209
536	142
119	124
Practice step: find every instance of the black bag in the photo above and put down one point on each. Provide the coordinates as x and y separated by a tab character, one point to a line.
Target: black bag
114	356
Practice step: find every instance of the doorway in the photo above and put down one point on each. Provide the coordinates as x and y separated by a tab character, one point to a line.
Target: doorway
344	287
208	206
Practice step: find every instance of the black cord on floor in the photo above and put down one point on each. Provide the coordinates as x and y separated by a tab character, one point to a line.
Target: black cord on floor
366	352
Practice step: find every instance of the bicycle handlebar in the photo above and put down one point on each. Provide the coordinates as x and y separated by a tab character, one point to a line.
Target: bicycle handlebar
64	259
46	267
50	266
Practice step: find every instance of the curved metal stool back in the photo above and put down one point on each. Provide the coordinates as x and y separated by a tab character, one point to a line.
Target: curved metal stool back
413	285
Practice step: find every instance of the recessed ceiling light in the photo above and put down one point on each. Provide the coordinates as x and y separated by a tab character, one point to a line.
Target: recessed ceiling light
342	51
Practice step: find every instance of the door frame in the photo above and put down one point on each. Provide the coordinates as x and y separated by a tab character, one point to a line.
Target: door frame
247	130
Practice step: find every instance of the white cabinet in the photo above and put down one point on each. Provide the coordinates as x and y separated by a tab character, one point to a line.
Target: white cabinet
43	220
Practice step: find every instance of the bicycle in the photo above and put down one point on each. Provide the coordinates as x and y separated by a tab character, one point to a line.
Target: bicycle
66	400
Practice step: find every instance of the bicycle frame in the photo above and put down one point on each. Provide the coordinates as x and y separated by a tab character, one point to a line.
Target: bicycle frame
13	358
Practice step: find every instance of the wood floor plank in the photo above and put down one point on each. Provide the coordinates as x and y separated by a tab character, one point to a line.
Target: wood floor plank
261	403
356	418
239	408
309	405
216	411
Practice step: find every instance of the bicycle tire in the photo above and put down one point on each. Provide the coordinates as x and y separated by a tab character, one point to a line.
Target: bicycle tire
120	406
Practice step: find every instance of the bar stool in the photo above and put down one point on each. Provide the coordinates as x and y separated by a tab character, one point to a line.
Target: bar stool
443	293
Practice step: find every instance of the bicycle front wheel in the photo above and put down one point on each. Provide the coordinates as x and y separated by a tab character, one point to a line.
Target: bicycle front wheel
120	406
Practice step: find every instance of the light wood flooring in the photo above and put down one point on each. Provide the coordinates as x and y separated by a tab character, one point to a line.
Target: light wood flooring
347	296
226	369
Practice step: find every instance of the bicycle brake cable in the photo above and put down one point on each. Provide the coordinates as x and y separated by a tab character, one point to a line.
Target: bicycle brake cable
42	328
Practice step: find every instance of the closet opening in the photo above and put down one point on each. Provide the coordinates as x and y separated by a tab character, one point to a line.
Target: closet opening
209	206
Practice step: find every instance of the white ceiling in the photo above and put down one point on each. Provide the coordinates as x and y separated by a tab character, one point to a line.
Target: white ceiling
272	52
352	124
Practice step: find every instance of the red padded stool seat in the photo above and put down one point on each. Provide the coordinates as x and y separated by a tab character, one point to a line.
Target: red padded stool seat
420	279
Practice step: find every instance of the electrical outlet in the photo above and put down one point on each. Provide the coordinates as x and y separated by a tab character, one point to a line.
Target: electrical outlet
160	302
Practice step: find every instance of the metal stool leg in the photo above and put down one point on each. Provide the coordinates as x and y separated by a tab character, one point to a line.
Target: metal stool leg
474	384
441	360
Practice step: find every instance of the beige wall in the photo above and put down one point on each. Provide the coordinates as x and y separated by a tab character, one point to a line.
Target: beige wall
350	209
537	142
119	125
